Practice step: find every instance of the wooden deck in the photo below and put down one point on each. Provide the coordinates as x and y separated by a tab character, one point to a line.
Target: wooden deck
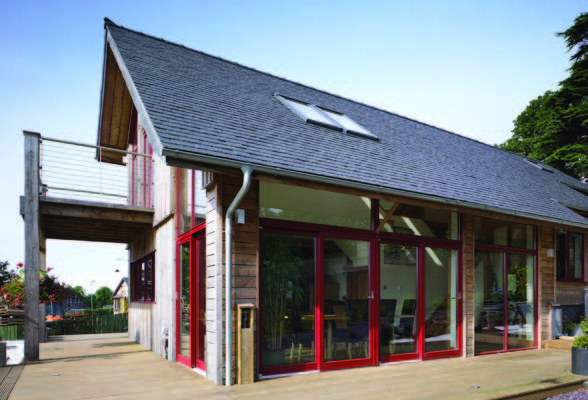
90	221
111	365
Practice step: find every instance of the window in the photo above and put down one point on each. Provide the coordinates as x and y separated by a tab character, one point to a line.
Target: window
300	204
143	278
504	286
141	170
191	199
569	256
116	305
419	221
321	116
503	233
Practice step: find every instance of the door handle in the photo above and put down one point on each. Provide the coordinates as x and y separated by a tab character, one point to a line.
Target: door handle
372	296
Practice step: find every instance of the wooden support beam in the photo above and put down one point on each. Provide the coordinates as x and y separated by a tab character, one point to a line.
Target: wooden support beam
32	245
90	210
387	217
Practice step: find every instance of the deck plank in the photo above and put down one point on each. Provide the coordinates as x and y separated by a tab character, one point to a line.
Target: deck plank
111	365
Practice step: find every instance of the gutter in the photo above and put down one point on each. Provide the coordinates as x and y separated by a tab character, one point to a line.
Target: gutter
247	170
181	155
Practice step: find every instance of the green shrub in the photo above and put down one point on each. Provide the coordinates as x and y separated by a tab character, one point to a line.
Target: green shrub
581	342
568	326
584	325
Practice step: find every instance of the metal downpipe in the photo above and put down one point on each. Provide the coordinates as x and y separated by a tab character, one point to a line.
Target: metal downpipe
247	170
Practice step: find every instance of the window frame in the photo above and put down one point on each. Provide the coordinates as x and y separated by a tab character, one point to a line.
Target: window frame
506	252
567	256
327	120
142	290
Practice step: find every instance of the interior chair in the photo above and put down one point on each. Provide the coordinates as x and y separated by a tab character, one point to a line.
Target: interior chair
387	328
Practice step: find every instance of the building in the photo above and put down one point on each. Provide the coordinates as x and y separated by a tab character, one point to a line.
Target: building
360	236
120	297
72	302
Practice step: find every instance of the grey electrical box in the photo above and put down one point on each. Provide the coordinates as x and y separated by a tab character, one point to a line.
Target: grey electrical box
240	216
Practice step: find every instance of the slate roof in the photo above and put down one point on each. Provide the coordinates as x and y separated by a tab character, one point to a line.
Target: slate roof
207	106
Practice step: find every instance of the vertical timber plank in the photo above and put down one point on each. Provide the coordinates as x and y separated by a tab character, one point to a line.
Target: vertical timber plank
32	245
214	282
468	268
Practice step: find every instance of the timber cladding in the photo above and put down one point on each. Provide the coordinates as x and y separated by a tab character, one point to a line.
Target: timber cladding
244	276
469	268
545	282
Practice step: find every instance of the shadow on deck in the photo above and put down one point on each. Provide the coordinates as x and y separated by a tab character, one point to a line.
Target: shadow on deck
110	365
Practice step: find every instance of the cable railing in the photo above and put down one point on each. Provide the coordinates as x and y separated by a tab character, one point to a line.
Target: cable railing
78	171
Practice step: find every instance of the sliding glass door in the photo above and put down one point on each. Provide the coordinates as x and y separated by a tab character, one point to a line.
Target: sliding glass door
398	311
347	306
419	302
504	301
441	298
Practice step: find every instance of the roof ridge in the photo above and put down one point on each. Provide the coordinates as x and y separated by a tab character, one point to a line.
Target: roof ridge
108	21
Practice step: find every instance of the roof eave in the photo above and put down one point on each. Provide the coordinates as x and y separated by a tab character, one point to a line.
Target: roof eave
145	120
172	155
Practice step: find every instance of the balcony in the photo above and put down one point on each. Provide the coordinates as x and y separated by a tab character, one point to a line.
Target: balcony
89	192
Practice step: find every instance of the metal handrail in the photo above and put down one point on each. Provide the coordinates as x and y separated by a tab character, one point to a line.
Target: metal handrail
43	139
76	170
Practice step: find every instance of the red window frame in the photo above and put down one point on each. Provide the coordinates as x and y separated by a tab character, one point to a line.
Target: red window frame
567	258
506	252
142	281
319	233
197	241
141	170
190	175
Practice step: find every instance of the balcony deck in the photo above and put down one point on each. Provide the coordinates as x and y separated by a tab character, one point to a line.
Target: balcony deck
69	219
112	365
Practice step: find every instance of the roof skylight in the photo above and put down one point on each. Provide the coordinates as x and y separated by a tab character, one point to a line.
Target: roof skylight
347	123
331	119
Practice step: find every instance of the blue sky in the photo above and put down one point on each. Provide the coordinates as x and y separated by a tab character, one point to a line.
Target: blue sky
467	66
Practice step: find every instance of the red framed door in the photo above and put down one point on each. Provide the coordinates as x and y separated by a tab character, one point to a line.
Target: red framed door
441	301
191	299
419	301
399	301
346	323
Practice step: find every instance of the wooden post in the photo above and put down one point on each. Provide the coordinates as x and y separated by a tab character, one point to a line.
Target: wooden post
32	245
43	267
245	343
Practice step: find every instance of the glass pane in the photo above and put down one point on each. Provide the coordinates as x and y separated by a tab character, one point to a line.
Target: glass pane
561	255
149	279
185	300
307	112
503	233
201	244
398	304
347	123
440	299
346	306
575	255
520	286
419	221
315	206
185	199
288	293
489	301
199	196
143	286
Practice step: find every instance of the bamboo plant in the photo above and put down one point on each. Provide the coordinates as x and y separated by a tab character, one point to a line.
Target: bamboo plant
282	279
